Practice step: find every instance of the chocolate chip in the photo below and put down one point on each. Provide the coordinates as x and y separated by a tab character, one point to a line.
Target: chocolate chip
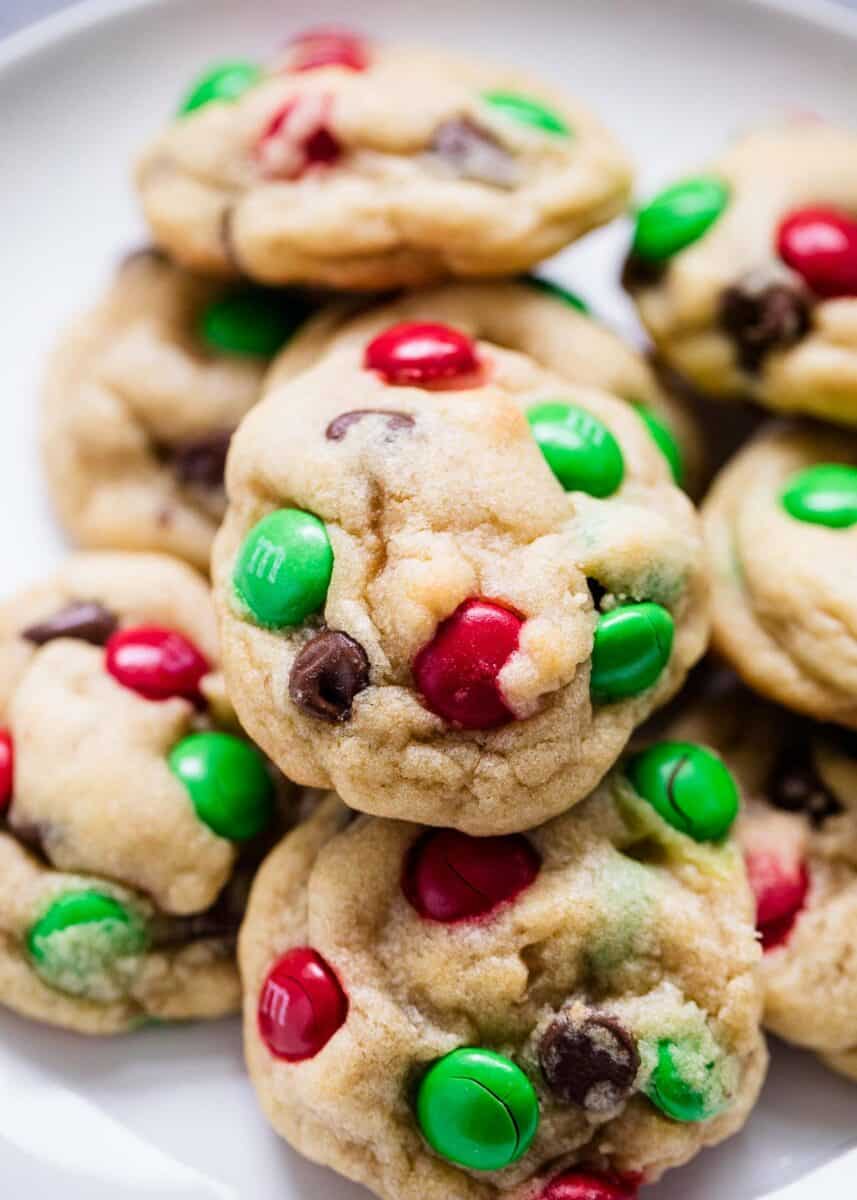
591	1061
596	590
340	425
794	783
202	461
474	153
82	619
327	674
639	273
761	317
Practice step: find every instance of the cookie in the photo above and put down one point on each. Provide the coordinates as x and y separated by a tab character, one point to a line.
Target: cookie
141	398
436	1015
133	811
746	274
544	320
357	166
799	833
450	582
781	529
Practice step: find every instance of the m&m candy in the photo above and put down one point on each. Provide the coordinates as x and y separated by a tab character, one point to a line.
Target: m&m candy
157	663
450	876
689	786
284	568
824	494
820	244
79	940
228	783
678	216
301	1005
422	354
633	644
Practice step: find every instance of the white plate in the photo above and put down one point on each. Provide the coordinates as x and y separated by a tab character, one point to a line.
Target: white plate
168	1113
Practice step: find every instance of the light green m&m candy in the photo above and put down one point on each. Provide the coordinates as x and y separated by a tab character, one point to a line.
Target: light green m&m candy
682	1084
558	292
478	1109
688	786
283	569
632	646
77	945
579	449
527	111
678	216
228	783
664	439
226	82
825	494
253	322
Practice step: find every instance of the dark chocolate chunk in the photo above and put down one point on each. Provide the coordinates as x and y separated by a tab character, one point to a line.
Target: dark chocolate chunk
597	591
327	674
639	273
202	461
760	320
794	783
474	153
340	425
82	619
591	1061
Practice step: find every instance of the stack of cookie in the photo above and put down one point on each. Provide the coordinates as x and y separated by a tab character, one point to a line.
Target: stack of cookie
491	953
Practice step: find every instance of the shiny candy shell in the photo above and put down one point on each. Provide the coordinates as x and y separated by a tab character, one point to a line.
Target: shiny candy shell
225	82
665	440
689	786
781	889
452	877
824	494
301	1006
477	1109
228	783
422	354
283	568
674	1085
585	1185
7	763
157	663
80	936
580	450
527	111
633	644
820	244
253	322
457	671
678	216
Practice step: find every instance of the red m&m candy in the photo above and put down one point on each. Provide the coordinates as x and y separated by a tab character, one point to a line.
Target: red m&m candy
780	889
297	137
452	877
581	1185
457	671
821	245
7	762
301	1005
328	47
156	663
423	354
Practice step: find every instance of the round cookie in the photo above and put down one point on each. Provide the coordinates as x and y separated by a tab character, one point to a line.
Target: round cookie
141	398
435	1015
541	319
352	165
781	529
799	833
133	812
745	275
451	583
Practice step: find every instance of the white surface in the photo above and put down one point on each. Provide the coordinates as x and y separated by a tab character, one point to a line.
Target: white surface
168	1113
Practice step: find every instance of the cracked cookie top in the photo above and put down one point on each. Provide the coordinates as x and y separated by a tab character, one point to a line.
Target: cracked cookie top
433	1014
746	274
385	168
450	582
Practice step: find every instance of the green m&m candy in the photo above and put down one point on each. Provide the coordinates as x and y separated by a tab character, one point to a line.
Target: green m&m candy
664	439
227	81
78	944
283	569
678	216
632	646
825	494
688	786
478	1109
527	111
228	783
683	1084
253	322
558	292
579	449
